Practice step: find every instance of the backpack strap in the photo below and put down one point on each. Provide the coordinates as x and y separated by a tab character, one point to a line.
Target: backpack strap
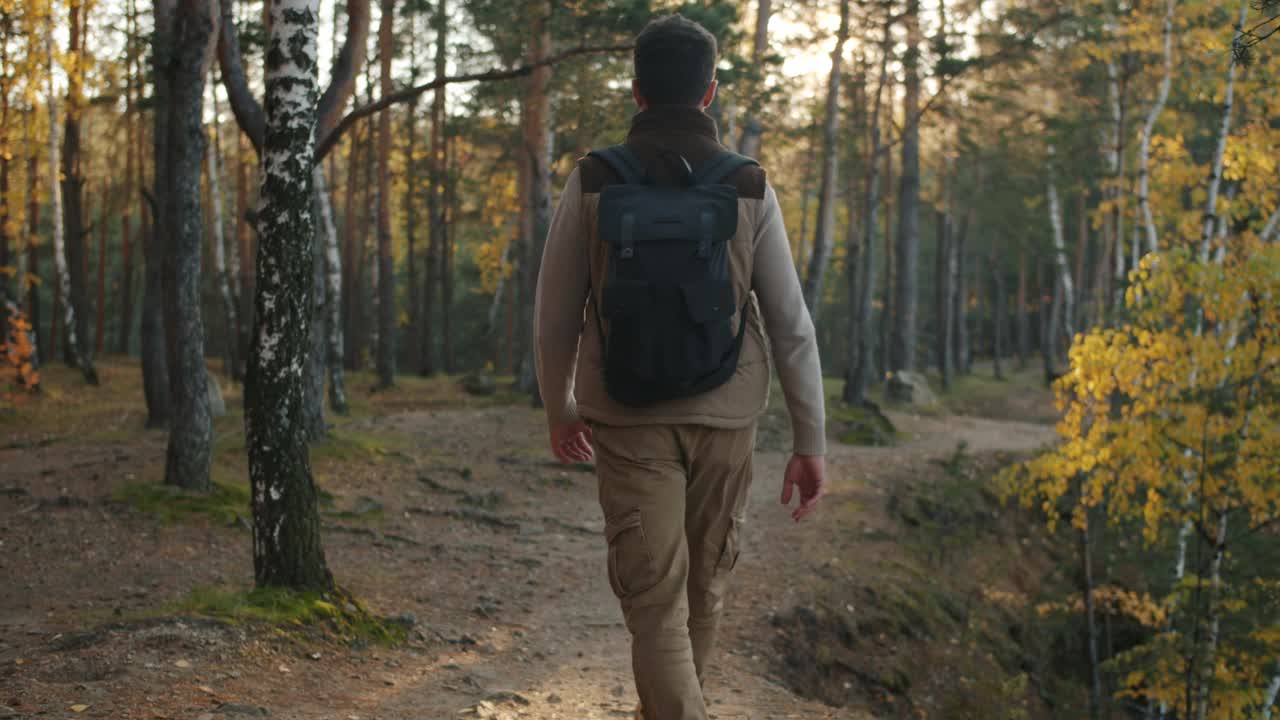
623	162
720	167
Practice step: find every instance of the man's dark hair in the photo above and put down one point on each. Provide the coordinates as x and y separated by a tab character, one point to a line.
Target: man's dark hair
675	61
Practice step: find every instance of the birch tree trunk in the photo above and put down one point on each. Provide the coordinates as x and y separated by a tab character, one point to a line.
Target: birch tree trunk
1209	663
1215	165
286	521
1116	166
1059	246
1273	690
1269	230
223	278
386	360
317	355
1149	126
191	430
827	189
752	129
903	346
66	198
332	296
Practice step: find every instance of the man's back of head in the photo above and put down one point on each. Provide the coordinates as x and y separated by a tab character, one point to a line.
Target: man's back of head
675	61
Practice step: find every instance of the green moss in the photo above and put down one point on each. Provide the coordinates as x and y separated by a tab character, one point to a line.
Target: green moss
225	502
337	613
346	446
860	425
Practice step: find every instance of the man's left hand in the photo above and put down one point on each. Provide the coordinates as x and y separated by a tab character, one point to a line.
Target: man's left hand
571	442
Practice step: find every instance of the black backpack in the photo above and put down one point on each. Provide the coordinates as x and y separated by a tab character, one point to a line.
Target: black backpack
667	293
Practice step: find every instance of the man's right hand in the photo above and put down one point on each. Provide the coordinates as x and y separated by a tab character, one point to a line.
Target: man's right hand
808	473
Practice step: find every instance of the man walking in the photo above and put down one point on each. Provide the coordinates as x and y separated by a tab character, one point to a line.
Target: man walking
666	289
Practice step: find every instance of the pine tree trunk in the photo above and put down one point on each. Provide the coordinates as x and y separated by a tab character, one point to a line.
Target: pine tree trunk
131	184
827	189
861	287
6	158
752	129
32	269
386	259
538	140
410	202
435	208
999	312
446	279
945	299
100	307
187	460
1095	675
1148	127
960	303
889	290
903	346
1024	316
286	521
350	278
155	360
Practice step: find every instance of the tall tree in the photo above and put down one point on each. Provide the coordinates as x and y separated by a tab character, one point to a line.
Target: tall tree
74	299
752	128
193	31
903	340
435	207
386	354
538	137
155	359
286	521
862	286
827	189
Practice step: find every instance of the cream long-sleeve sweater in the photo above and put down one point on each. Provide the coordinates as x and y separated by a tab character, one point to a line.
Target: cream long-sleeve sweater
567	340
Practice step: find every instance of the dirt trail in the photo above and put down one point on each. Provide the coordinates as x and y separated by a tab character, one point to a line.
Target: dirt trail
495	557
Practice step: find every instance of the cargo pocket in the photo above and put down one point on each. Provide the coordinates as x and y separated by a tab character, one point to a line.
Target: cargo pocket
631	566
729	551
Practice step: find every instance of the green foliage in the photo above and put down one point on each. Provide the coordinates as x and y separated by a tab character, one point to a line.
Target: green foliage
227	502
338	613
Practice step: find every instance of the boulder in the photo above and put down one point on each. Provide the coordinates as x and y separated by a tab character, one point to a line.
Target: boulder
480	384
911	388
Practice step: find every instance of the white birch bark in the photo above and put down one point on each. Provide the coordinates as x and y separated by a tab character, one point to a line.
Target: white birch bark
1269	231
333	293
1273	690
1059	246
1115	164
286	524
55	195
1148	127
1215	172
219	237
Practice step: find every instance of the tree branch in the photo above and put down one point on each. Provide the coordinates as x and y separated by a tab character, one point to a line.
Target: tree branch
248	111
342	82
327	142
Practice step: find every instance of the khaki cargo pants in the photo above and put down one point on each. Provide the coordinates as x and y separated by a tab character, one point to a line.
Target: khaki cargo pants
673	498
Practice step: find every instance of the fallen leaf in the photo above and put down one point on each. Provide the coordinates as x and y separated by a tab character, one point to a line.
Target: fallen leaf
183	664
79	708
206	689
283	669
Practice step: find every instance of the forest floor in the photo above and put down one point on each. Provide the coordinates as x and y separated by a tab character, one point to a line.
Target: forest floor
442	512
